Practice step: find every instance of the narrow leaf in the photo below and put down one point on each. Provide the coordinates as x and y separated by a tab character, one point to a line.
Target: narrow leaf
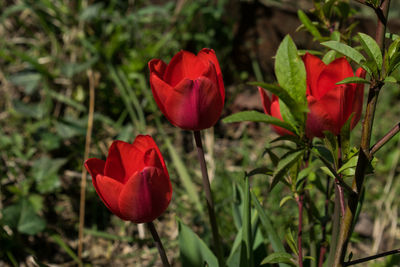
284	165
273	237
308	24
256	116
193	250
353	80
246	234
348	51
278	257
372	49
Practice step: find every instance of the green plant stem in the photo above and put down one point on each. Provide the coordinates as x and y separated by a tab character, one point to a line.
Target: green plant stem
209	198
159	244
364	154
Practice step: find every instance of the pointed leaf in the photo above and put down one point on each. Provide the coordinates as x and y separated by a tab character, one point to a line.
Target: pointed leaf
193	250
353	80
278	257
308	24
372	49
348	51
284	165
256	116
273	236
290	71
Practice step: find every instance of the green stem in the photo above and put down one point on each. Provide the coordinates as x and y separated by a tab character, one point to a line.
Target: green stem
209	198
364	153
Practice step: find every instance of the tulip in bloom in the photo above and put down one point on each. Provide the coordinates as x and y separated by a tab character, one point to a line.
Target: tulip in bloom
133	182
189	90
330	105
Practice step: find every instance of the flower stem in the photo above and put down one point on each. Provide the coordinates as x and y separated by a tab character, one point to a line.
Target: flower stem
364	152
159	245
385	139
209	198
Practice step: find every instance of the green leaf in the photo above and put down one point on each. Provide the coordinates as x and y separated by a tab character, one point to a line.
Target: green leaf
353	80
45	172
290	71
272	234
390	79
278	257
284	200
308	24
372	49
193	251
329	57
290	241
349	52
23	217
28	80
284	165
256	116
57	239
247	233
345	137
260	170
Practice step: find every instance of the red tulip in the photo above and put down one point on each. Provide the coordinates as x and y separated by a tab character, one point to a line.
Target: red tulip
271	107
189	90
330	105
133	182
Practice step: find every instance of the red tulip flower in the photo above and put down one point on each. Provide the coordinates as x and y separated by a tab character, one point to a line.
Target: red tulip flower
133	182
330	105
271	107
189	90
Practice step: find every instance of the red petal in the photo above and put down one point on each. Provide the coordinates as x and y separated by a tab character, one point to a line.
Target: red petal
145	196
157	67
123	160
336	71
209	54
184	65
318	119
151	154
358	98
95	166
314	67
161	90
266	102
194	105
109	191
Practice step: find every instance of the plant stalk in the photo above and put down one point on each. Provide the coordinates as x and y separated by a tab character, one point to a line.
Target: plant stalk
209	198
159	244
93	81
364	152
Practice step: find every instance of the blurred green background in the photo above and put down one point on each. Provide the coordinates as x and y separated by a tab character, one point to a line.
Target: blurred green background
48	51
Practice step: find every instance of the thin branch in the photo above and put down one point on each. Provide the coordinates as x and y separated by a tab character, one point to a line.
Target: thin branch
93	81
385	139
384	254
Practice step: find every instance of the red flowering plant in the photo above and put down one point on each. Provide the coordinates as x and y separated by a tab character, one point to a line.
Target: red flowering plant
314	106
